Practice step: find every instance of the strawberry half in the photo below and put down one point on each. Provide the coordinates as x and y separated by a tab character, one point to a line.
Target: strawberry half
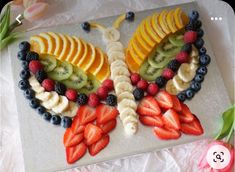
71	139
108	126
171	119
74	153
92	133
176	103
99	145
76	127
148	106
151	121
86	114
164	100
185	115
166	133
105	113
193	128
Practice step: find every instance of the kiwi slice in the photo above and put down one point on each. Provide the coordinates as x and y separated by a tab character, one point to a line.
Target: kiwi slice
77	80
91	86
168	50
176	40
157	60
49	62
148	72
62	71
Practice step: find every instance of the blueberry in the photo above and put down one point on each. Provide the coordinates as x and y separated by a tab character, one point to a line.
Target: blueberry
202	51
138	93
189	93
46	116
23	84
24	74
199	78
31	55
190	26
29	94
66	122
202	70
130	16
160	81
25	65
196	86
197	24
199	43
34	103
200	33
55	119
86	26
204	60
60	88
187	48
40	75
181	96
21	55
24	46
193	15
82	99
41	110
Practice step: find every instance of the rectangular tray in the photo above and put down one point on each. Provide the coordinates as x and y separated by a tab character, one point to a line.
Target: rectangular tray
42	144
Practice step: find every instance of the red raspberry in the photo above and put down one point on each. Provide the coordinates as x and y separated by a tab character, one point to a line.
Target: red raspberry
93	100
142	84
135	78
35	66
182	57
102	92
190	37
168	73
109	84
71	94
152	89
48	84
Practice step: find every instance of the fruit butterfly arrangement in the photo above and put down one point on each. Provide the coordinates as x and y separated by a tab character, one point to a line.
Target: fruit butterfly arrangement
74	84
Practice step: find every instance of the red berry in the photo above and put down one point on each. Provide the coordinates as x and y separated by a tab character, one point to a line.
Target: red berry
142	84
93	100
168	73
109	84
71	94
102	92
35	66
48	84
152	89
135	78
182	57
190	37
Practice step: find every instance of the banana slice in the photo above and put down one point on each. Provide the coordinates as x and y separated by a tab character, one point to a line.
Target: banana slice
116	55
121	78
194	60
125	95
33	82
71	110
123	86
126	103
185	72
62	105
119	71
38	89
44	96
193	66
118	63
130	128
194	52
111	35
114	48
114	44
52	102
170	88
130	118
126	112
179	84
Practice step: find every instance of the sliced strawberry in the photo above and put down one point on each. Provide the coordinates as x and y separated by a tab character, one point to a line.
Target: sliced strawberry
92	133
171	119
98	146
74	153
86	114
148	106
108	126
105	113
164	100
193	128
166	133
76	128
71	139
185	115
176	103
151	121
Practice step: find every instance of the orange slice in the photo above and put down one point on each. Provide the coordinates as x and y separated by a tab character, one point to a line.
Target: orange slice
156	25
104	72
50	42
134	55
177	18
66	47
138	49
185	19
132	65
163	23
151	31
142	42
89	59
73	49
38	44
170	21
58	43
144	34
98	62
80	51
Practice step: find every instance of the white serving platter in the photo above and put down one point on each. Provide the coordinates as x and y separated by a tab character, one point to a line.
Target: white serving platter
42	144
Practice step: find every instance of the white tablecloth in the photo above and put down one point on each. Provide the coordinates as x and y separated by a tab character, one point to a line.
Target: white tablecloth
179	158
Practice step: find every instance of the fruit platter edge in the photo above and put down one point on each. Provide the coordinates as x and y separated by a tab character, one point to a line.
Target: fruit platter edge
42	143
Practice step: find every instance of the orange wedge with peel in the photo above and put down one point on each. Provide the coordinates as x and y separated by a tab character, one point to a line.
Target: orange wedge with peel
138	49
66	47
141	41
170	21
163	23
146	36
85	52
38	44
73	49
134	55
132	65
50	42
58	43
80	51
98	62
154	35
104	72
156	26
